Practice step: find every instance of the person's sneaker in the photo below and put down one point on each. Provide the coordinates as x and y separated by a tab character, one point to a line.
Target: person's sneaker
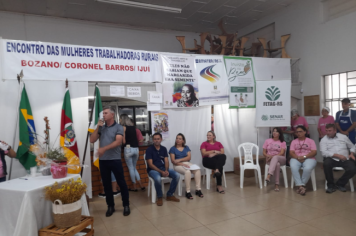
342	189
116	193
330	190
172	198
159	201
103	195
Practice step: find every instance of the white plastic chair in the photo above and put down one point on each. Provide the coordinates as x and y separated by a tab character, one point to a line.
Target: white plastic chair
207	177
151	184
312	176
248	162
284	171
351	181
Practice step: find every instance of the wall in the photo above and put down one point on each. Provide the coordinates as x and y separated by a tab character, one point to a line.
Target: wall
59	30
324	48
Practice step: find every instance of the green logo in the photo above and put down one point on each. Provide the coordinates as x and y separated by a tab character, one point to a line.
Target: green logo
273	93
264	117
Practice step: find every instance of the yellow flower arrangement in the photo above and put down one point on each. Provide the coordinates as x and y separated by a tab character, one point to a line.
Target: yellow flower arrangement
68	192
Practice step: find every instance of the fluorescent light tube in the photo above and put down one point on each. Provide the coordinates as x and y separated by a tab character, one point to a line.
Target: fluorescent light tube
142	5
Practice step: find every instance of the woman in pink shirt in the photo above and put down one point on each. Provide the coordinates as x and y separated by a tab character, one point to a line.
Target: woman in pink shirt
213	158
297	120
302	152
323	121
274	150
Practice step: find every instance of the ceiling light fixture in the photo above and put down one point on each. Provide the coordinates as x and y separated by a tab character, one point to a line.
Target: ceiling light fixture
142	5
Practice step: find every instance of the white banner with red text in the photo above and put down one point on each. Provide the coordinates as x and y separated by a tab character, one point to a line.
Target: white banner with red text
54	61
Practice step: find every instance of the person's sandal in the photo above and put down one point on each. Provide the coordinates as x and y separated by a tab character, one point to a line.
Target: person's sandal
143	189
276	189
303	191
199	193
268	180
299	189
189	196
222	191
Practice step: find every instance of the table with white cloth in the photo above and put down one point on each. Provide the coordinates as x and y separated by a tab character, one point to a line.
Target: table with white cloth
23	208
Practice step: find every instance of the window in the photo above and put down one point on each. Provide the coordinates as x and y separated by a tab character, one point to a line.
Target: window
338	87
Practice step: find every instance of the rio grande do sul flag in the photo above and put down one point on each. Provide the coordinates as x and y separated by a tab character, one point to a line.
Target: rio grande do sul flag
68	139
97	115
27	132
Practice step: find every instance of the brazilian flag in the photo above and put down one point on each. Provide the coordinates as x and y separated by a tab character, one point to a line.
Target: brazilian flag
27	133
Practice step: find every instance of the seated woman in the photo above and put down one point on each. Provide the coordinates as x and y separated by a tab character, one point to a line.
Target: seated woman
180	157
302	152
274	150
214	158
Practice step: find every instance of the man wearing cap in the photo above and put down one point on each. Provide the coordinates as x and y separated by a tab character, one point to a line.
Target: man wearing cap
323	121
346	120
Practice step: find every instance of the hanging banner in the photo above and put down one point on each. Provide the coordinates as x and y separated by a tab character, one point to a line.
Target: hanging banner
273	103
160	123
242	83
54	61
213	83
272	68
180	83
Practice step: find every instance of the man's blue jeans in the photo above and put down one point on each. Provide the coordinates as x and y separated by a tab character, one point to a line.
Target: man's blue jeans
156	176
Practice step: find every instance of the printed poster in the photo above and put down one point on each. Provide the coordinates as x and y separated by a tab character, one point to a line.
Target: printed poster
242	83
273	103
213	82
180	83
160	123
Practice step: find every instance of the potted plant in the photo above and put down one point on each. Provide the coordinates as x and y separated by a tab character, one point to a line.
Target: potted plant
65	198
59	162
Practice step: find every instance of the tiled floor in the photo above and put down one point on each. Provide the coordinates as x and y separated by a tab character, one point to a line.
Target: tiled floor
248	211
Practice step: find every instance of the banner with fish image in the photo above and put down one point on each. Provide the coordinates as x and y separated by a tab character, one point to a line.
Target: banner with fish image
213	82
160	123
242	82
180	82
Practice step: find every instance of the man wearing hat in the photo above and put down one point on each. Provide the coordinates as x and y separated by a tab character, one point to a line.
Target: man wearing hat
346	120
323	121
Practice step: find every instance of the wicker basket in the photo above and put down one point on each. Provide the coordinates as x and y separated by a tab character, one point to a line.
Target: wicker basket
67	215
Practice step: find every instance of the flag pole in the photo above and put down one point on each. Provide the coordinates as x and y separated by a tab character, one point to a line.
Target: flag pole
19	80
91	120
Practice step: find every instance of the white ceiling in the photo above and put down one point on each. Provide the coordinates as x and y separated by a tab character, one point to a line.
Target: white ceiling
196	16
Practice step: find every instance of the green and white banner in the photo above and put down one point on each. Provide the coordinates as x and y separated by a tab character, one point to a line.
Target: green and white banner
242	83
273	103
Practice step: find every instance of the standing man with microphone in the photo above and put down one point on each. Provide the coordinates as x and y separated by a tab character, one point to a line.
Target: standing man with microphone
110	136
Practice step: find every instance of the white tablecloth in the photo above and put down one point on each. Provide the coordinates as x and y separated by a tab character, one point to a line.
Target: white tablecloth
23	209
